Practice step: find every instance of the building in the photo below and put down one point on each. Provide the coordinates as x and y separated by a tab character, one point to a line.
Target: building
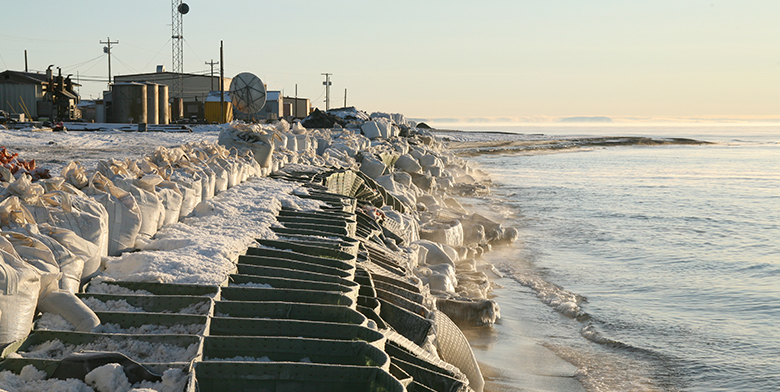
39	95
273	109
296	107
196	89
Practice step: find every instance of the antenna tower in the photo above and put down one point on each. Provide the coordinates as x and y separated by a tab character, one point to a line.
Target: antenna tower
177	53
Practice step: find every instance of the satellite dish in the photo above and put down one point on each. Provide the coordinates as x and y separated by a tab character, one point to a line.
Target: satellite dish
183	8
247	93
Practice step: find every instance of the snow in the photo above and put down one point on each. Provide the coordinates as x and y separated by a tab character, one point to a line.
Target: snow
144	352
106	378
110	305
33	380
202	249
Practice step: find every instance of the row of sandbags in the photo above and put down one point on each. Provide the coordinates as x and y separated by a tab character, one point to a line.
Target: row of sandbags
162	188
56	231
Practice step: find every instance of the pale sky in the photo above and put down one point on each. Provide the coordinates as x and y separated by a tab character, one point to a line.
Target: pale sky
436	59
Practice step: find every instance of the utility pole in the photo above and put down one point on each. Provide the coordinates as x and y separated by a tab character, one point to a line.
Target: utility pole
25	60
222	83
212	64
295	108
107	50
327	84
345	97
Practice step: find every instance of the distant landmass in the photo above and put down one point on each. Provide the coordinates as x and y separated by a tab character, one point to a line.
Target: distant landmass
589	119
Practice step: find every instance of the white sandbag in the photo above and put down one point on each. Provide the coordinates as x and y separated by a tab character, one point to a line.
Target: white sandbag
190	186
124	220
86	250
149	206
372	167
70	265
209	181
14	214
245	138
408	164
61	209
232	168
38	256
436	255
220	175
292	141
371	130
25	189
280	141
171	197
385	128
83	223
149	183
305	143
449	232
430	160
19	288
71	308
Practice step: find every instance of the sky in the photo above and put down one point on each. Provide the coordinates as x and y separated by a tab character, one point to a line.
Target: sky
490	60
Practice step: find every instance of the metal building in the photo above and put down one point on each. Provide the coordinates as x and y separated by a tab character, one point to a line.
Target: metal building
39	95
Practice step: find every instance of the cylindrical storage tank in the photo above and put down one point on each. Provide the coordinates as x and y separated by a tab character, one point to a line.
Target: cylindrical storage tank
164	112
129	102
177	108
152	106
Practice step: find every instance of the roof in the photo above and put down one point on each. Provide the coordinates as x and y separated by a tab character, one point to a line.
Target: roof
158	74
19	77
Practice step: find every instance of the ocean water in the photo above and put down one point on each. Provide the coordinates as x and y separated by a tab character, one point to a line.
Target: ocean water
647	268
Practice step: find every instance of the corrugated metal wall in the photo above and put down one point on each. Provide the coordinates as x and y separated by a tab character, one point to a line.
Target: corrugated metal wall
12	96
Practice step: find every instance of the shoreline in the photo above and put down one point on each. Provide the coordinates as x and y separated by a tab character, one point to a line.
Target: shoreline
143	263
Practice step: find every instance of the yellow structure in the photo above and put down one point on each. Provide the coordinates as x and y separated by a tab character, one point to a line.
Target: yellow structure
213	108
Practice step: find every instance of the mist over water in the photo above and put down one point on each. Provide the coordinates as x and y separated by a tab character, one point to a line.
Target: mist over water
662	262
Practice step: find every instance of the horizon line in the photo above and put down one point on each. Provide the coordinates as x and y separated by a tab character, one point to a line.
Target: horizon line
602	120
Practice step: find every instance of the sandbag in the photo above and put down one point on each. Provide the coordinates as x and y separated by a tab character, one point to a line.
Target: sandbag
87	217
71	308
20	286
408	164
124	215
190	186
449	232
37	256
220	175
171	197
245	138
371	130
70	265
149	206
435	254
14	214
372	167
80	247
